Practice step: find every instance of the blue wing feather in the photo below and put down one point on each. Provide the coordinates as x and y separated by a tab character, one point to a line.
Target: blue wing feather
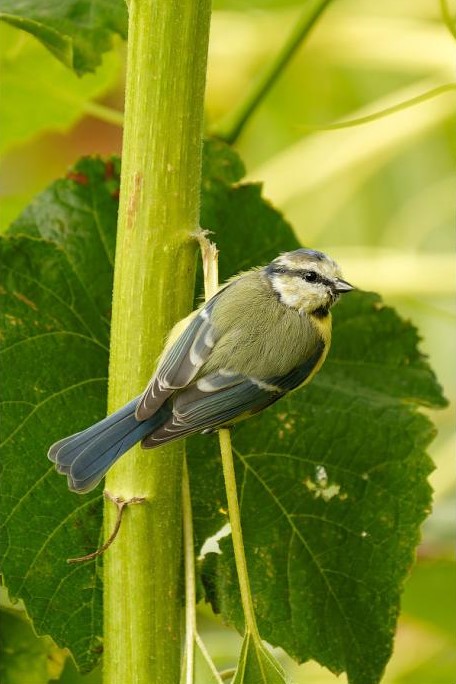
86	456
181	362
174	405
195	411
232	396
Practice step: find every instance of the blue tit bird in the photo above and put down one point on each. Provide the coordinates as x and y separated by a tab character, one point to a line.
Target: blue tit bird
263	334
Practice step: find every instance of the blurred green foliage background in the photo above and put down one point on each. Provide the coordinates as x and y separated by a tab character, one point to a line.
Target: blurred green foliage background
379	197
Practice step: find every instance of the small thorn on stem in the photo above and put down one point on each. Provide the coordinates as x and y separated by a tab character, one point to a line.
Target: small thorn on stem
120	503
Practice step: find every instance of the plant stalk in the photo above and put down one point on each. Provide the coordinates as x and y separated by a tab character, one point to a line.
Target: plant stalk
231	127
381	113
190	582
153	288
210	267
236	533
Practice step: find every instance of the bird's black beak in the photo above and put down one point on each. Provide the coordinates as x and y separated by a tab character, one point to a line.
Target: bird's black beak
342	286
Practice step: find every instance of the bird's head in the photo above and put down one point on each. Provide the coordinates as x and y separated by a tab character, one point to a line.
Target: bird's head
307	280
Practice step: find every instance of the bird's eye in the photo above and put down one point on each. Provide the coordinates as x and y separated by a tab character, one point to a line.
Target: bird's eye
310	277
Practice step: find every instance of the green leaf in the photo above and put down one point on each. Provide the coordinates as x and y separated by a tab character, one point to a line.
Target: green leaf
30	74
56	296
327	556
24	657
256	665
332	486
55	301
10	208
220	163
247	229
77	32
54	355
79	214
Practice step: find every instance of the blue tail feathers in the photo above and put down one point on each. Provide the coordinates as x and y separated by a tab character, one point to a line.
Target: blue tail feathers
86	456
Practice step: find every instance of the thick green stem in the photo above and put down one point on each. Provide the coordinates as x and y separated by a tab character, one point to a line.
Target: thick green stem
231	127
153	287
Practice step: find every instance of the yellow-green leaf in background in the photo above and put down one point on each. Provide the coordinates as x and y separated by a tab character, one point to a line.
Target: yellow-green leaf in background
38	93
332	480
77	32
25	659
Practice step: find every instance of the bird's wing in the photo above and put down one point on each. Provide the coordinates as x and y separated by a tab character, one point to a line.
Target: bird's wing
180	361
223	397
212	401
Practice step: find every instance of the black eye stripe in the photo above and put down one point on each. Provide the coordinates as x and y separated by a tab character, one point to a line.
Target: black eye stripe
299	273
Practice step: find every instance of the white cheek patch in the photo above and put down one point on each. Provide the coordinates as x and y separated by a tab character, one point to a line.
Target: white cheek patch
291	294
299	294
290	299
